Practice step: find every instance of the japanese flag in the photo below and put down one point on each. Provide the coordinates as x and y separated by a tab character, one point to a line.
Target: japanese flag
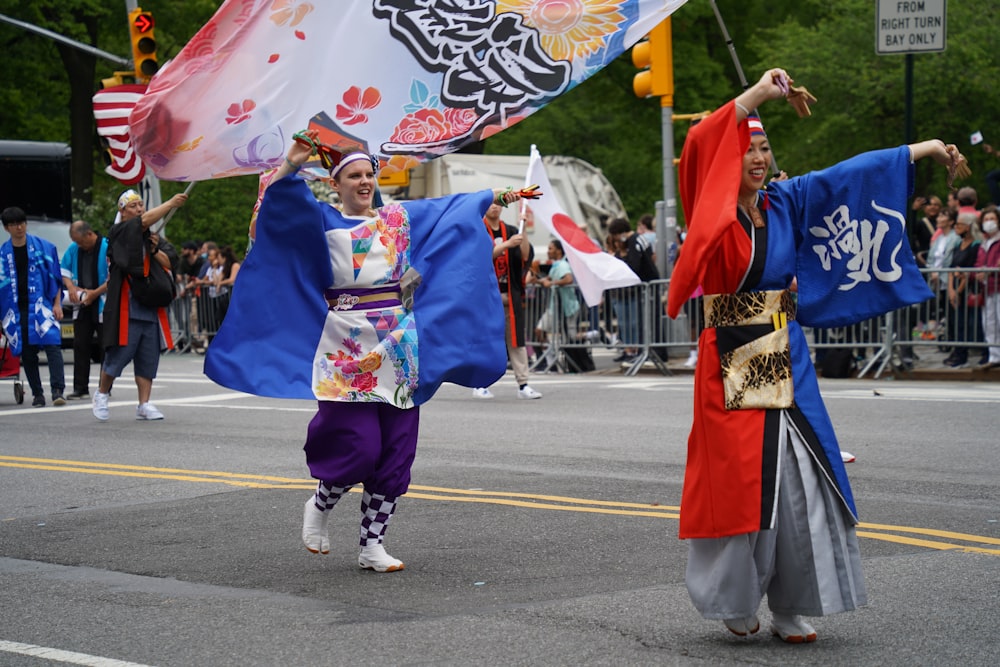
593	269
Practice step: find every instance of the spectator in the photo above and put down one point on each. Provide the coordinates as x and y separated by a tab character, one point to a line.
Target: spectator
190	265
134	332
563	307
952	202
645	228
924	227
635	251
223	278
31	304
188	270
989	258
943	244
512	255
963	322
967	197
207	322
85	275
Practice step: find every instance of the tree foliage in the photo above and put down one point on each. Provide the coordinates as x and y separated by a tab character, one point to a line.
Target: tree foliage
827	46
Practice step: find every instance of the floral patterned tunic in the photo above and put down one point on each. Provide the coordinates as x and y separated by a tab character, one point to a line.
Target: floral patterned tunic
368	355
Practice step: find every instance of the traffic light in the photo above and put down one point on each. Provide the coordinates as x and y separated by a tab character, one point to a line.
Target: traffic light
654	56
140	26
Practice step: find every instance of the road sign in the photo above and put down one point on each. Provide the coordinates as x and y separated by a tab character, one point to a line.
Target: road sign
910	26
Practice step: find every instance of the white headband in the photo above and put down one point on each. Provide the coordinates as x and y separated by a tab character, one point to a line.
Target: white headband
127	198
346	160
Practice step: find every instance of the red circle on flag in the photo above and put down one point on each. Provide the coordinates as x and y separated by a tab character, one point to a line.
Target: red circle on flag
572	234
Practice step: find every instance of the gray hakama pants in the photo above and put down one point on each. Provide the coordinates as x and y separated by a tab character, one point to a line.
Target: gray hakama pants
807	564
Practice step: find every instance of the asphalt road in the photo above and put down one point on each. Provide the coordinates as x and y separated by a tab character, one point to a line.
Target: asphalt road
535	532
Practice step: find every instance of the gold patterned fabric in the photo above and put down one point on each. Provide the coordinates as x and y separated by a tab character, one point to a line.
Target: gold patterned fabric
745	308
754	354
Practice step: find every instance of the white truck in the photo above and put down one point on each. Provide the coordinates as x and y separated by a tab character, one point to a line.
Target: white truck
582	189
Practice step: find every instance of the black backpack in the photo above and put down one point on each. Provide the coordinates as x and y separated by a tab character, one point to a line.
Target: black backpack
156	288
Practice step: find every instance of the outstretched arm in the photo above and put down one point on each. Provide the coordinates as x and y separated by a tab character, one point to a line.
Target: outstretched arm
946	154
772	85
156	214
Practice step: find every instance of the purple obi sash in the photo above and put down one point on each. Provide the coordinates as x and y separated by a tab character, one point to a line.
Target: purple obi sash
372	298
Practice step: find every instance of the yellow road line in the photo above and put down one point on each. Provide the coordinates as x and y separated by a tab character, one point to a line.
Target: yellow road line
941	546
506	498
932	531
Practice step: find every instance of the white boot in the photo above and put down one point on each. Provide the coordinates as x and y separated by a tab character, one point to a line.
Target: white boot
374	557
792	629
314	530
742	626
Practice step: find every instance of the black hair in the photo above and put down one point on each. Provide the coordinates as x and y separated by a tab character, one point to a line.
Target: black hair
13	214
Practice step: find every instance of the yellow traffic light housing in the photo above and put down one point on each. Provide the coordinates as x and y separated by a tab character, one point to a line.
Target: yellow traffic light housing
654	56
140	26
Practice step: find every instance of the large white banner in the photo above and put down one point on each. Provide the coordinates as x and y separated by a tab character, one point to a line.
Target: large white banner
406	80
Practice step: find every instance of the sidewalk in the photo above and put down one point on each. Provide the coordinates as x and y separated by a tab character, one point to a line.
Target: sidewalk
928	365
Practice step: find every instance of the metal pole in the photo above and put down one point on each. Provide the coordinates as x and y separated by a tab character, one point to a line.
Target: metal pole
739	70
667	237
908	137
118	60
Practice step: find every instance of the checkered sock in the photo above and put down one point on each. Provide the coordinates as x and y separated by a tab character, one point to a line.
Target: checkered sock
376	511
327	495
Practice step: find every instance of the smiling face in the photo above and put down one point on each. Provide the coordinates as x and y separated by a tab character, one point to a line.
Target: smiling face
356	186
756	163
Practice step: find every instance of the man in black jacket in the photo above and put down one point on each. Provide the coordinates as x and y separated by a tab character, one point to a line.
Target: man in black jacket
134	332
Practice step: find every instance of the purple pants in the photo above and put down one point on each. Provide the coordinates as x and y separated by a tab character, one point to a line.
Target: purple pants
373	444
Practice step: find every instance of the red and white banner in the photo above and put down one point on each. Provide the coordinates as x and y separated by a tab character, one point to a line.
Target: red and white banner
112	107
593	269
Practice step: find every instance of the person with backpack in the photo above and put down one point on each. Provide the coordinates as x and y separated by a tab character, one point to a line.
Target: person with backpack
635	250
140	286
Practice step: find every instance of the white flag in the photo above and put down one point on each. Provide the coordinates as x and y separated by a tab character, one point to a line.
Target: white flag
593	269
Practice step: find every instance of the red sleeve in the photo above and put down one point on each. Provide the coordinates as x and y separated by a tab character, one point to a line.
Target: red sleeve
709	178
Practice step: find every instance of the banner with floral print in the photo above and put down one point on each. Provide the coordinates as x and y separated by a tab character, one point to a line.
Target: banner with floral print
406	80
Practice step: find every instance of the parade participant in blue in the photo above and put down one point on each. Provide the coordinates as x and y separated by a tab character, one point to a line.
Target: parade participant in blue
325	308
766	505
31	303
85	276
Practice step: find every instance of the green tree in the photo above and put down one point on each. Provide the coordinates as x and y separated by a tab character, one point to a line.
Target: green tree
862	95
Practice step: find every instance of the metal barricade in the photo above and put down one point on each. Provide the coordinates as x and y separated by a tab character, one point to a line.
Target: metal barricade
195	318
633	320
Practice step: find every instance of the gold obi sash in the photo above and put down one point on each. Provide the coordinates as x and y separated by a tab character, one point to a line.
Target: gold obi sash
752	336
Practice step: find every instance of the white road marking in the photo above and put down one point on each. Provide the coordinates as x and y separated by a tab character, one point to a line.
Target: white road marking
64	656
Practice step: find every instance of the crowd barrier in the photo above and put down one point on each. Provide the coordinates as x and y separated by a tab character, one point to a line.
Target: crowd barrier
562	331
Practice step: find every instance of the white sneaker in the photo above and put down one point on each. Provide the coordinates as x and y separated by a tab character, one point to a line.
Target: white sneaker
847	457
147	412
315	534
692	359
528	392
374	557
482	392
101	407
